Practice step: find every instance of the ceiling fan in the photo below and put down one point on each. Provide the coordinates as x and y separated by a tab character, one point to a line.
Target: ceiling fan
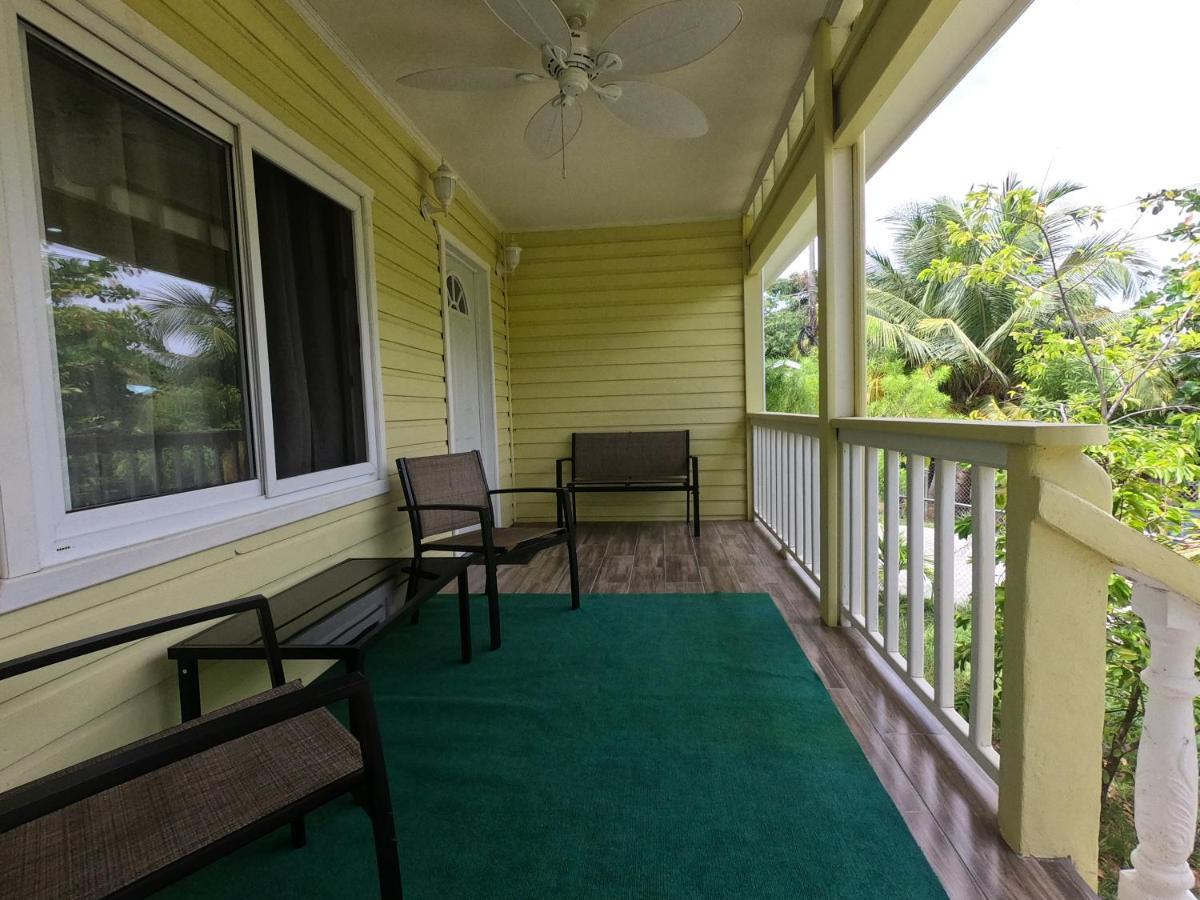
657	39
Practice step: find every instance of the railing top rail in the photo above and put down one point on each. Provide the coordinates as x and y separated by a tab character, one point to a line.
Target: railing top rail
1125	548
786	421
1032	434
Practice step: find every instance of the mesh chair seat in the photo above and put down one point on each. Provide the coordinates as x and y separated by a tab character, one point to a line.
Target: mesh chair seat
116	837
503	539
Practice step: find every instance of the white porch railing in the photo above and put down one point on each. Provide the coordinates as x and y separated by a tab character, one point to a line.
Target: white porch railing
916	514
787	485
904	483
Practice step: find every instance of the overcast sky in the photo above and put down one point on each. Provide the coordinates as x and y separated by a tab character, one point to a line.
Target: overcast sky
1101	92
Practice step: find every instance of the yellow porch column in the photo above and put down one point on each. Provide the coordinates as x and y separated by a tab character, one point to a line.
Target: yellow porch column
1054	642
840	247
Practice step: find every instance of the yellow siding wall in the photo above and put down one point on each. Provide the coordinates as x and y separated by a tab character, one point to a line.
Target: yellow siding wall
267	51
630	329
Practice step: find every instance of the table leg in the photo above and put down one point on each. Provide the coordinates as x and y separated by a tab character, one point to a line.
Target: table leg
464	617
189	689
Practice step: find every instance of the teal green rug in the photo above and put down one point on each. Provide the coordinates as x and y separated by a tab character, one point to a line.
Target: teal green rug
648	746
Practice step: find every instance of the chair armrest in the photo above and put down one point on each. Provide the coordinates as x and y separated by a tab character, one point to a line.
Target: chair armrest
84	646
24	804
695	469
563	498
425	507
484	512
536	490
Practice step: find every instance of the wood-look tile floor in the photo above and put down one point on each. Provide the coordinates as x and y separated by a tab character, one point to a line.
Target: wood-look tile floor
948	803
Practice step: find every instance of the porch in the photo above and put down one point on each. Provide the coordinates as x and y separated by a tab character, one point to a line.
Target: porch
946	580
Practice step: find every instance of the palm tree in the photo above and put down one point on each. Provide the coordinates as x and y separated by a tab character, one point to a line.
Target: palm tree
201	326
965	275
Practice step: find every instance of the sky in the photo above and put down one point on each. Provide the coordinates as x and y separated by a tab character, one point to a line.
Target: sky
1100	92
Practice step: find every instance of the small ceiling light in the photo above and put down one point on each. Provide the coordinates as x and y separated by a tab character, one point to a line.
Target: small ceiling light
444	184
53	229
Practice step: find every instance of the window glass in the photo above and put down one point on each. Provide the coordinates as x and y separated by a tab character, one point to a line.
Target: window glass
144	298
310	301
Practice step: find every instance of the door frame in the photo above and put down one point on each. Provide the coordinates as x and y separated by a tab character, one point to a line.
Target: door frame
485	343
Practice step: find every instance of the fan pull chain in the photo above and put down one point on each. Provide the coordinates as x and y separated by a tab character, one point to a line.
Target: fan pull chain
562	127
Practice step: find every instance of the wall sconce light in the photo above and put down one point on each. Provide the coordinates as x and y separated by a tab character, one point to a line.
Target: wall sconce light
444	183
510	258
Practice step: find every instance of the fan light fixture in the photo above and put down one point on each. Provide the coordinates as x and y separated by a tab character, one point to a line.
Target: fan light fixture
444	184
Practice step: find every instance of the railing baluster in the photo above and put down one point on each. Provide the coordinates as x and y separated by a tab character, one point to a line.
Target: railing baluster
802	547
915	537
816	507
983	604
843	501
891	552
871	537
778	516
943	582
791	491
1165	803
857	525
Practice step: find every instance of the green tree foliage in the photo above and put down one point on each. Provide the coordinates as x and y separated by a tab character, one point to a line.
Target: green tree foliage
790	316
167	361
965	276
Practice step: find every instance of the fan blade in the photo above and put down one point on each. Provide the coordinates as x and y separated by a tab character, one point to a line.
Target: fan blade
657	109
470	78
538	22
553	127
672	34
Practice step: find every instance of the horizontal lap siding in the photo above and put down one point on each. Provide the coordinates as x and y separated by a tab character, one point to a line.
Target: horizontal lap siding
630	329
267	51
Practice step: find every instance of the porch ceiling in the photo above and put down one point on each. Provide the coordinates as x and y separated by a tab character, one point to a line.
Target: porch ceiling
615	175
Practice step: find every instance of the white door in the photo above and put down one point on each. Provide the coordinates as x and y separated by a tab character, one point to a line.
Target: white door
469	352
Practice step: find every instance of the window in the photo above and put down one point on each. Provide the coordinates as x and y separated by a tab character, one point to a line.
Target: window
144	298
200	364
456	295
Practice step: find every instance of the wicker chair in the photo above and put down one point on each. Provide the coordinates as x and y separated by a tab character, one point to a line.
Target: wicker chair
450	492
129	822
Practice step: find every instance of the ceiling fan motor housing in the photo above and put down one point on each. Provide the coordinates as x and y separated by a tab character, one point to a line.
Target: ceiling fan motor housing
576	70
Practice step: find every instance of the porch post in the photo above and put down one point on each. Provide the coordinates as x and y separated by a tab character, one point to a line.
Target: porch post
1052	715
752	299
840	247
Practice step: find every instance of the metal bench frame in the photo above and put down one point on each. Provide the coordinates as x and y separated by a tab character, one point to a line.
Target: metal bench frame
690	484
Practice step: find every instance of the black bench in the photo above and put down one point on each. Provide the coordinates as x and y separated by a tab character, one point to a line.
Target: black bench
604	462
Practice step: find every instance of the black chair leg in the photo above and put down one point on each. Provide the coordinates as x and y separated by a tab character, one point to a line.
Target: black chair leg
573	566
696	514
464	618
493	595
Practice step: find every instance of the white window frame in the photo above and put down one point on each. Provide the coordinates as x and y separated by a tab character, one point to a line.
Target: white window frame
45	552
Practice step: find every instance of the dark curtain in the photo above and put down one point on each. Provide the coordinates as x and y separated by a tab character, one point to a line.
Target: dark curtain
317	398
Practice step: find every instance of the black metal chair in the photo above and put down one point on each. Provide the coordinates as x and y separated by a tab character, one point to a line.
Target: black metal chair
131	821
450	492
